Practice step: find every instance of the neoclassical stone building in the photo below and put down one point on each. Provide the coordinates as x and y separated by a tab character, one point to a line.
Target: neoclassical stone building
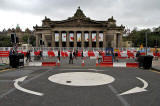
79	31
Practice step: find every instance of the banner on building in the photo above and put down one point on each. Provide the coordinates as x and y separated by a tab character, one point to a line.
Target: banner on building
78	37
93	37
101	37
86	36
56	37
71	37
64	36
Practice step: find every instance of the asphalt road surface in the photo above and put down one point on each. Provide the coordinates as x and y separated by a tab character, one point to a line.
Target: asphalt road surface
79	86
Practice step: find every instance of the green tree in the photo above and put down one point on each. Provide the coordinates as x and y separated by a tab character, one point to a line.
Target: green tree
32	39
138	37
25	38
5	41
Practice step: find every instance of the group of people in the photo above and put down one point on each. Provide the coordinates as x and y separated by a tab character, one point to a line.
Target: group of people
73	55
28	56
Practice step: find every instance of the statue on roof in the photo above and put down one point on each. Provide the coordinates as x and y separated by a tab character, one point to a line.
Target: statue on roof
79	13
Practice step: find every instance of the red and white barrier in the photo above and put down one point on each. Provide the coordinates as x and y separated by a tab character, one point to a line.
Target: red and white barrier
119	64
52	53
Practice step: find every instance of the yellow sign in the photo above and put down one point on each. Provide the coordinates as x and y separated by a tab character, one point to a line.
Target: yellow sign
141	47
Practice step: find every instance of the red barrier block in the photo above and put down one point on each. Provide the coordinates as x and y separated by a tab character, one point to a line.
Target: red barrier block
132	64
106	64
122	57
24	53
48	63
142	53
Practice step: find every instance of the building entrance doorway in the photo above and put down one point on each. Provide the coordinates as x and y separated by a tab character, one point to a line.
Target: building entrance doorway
56	44
100	44
86	44
71	44
78	44
63	44
93	44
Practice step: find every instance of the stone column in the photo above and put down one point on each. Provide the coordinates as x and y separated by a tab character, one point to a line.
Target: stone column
53	39
37	40
104	39
67	39
114	40
97	39
75	39
120	41
60	39
90	39
44	40
82	40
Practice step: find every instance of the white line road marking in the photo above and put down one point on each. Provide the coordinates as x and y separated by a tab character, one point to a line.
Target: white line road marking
13	89
137	89
23	89
123	101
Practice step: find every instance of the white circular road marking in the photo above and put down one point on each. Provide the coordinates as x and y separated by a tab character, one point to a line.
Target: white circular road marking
81	79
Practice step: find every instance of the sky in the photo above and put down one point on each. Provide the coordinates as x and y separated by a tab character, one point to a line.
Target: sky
130	13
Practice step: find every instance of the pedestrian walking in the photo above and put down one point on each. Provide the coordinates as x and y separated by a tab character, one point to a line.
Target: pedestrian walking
156	54
82	54
59	54
116	57
41	55
70	58
137	55
74	54
28	55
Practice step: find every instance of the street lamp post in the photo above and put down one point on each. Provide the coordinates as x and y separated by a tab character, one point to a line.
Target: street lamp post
146	43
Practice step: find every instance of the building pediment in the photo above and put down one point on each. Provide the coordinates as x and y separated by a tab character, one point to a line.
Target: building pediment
78	22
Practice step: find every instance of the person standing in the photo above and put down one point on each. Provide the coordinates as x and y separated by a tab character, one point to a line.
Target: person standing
137	55
59	54
10	56
156	54
74	54
82	54
28	55
70	58
116	57
41	54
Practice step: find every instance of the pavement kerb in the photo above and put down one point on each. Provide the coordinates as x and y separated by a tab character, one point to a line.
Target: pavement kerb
156	69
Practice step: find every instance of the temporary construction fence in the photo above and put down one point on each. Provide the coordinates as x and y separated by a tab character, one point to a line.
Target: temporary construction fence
87	52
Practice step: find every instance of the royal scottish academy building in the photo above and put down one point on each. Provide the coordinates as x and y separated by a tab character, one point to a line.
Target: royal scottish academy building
79	31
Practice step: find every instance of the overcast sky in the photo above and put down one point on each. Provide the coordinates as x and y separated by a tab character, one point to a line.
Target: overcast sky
130	13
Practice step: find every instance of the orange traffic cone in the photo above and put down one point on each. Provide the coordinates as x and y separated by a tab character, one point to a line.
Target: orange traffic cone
58	62
83	63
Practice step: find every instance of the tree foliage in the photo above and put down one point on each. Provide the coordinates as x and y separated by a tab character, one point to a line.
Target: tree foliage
5	41
32	39
138	37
